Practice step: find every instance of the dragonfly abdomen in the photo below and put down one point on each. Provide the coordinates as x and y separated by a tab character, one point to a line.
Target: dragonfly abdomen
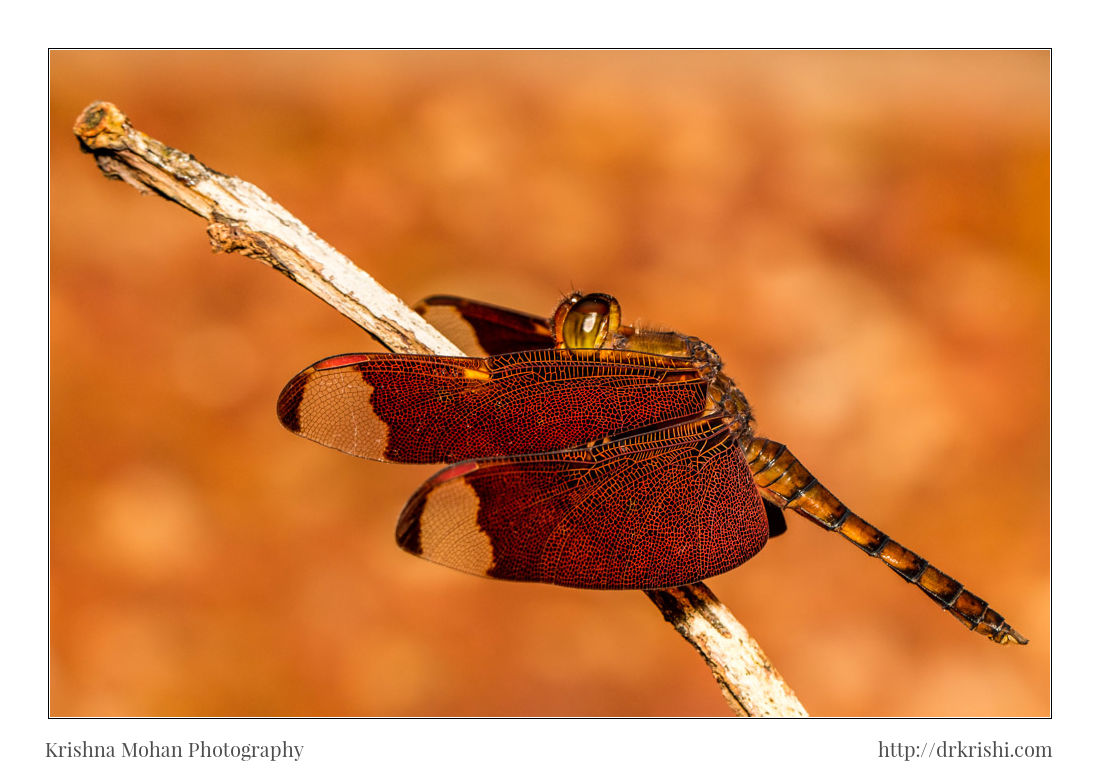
786	482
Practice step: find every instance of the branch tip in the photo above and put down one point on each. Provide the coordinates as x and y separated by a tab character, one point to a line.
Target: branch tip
102	126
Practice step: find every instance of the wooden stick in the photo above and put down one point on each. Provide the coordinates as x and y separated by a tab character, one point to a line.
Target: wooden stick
242	218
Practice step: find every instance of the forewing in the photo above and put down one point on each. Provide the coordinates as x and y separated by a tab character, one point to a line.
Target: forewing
481	329
424	409
655	510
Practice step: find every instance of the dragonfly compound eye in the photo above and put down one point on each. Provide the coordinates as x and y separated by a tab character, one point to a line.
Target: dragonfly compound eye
587	322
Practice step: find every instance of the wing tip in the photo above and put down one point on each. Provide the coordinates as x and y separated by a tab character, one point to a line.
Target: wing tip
408	531
289	404
408	526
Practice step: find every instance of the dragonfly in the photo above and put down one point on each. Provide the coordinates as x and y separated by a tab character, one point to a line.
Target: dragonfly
583	452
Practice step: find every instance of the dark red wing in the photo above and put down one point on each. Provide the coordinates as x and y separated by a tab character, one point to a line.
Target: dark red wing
424	409
480	329
659	509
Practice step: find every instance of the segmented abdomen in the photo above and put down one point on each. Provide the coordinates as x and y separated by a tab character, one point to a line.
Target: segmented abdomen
787	483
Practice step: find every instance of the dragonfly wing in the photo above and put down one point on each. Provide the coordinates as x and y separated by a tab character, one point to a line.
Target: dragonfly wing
777	523
481	329
424	409
654	510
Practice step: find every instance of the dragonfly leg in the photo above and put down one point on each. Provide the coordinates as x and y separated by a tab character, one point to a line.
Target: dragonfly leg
784	481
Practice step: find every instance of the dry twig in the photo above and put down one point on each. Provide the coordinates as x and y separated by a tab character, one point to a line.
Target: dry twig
242	218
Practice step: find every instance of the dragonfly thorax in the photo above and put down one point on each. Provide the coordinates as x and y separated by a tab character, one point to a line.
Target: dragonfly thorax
587	321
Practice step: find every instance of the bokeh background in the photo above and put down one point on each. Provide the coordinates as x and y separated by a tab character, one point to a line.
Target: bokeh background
863	236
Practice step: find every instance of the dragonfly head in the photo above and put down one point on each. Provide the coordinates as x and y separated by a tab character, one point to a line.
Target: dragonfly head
586	320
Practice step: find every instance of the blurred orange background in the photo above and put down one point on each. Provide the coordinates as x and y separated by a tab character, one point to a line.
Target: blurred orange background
863	236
